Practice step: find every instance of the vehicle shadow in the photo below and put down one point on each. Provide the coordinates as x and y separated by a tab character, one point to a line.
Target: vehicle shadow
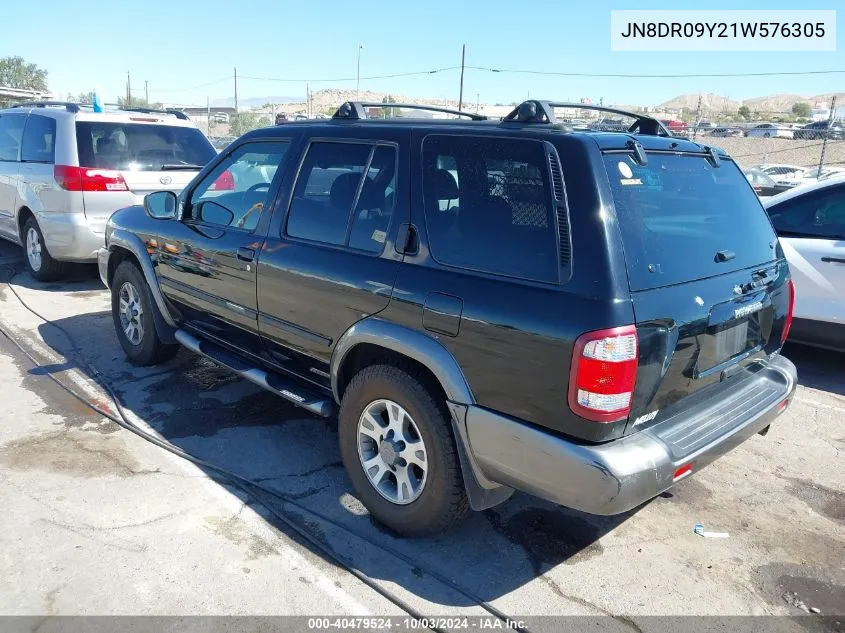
76	277
218	417
818	368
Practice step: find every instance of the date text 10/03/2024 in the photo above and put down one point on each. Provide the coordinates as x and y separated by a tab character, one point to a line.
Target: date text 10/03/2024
413	624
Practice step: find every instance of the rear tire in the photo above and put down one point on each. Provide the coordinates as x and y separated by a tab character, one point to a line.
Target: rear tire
431	496
39	262
132	311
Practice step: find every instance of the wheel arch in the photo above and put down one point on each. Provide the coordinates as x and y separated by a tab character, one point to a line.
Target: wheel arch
374	339
24	213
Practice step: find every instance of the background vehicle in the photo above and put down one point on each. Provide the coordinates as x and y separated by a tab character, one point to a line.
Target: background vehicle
813	175
820	129
767	130
485	301
677	128
763	184
810	222
64	169
726	132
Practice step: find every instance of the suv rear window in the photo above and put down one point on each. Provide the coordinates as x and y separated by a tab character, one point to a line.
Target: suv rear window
139	146
676	212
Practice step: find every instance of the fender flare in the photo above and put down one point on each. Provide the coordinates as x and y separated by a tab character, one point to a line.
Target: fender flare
166	325
428	351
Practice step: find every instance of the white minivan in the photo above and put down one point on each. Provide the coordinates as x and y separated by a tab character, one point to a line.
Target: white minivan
64	169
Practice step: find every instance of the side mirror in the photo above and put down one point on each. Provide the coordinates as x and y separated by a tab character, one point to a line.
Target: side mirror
160	205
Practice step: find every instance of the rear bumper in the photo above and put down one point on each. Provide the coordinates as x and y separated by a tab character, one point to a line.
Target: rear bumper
69	238
617	476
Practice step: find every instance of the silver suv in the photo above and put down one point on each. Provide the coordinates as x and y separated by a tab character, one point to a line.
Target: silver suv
64	169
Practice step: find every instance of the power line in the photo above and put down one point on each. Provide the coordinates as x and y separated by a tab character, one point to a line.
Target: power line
334	79
640	76
210	83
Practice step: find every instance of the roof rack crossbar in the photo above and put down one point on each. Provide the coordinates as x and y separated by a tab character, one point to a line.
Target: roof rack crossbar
357	110
541	111
177	113
69	106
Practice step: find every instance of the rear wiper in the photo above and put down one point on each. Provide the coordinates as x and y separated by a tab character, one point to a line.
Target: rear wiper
180	167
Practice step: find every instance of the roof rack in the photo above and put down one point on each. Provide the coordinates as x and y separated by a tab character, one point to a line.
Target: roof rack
539	111
357	110
177	113
70	107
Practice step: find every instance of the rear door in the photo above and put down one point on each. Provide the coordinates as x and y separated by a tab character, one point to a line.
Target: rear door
707	278
329	259
11	133
207	261
811	228
135	155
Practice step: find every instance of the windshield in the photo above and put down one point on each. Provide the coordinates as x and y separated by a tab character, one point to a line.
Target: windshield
678	211
140	147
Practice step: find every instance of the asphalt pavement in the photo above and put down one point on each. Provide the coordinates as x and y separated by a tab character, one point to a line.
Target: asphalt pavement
99	521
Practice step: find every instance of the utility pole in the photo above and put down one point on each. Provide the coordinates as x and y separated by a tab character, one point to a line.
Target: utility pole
463	60
477	101
827	133
208	113
307	100
697	117
128	90
236	91
147	91
358	80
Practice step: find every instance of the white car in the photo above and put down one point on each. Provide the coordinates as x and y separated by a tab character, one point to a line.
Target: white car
810	222
789	175
812	175
770	130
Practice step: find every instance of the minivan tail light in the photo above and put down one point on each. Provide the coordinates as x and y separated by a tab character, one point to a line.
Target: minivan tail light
72	178
788	323
604	373
224	182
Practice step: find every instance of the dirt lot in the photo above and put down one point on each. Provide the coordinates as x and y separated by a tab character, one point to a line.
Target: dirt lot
754	151
89	507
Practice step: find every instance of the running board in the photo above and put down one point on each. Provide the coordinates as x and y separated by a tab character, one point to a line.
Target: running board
270	381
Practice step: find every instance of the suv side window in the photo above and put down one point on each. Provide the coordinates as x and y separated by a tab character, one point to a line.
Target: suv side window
11	131
344	195
39	140
818	215
235	192
489	207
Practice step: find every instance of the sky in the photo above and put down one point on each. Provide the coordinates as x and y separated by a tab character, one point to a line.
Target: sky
187	50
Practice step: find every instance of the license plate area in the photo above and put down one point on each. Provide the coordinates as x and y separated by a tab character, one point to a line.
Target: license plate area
735	330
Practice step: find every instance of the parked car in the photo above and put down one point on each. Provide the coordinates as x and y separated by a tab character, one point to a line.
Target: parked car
677	128
221	142
810	222
780	171
813	175
767	130
763	184
64	169
727	132
820	129
487	306
610	125
220	117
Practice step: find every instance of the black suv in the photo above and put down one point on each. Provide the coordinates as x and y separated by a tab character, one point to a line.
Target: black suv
486	305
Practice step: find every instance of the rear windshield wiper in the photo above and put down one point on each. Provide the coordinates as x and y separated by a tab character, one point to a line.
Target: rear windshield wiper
180	167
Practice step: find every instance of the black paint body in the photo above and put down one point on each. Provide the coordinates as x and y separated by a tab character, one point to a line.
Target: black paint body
512	339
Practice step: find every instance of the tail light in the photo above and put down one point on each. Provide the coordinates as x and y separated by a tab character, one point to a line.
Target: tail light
224	182
788	323
603	374
88	179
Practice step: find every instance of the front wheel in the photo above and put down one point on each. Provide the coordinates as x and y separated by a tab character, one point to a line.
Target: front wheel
132	311
397	446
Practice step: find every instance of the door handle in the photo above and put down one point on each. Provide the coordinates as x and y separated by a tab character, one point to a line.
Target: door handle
833	260
246	254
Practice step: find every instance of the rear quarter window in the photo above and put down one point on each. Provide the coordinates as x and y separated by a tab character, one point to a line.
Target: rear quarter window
678	211
489	206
